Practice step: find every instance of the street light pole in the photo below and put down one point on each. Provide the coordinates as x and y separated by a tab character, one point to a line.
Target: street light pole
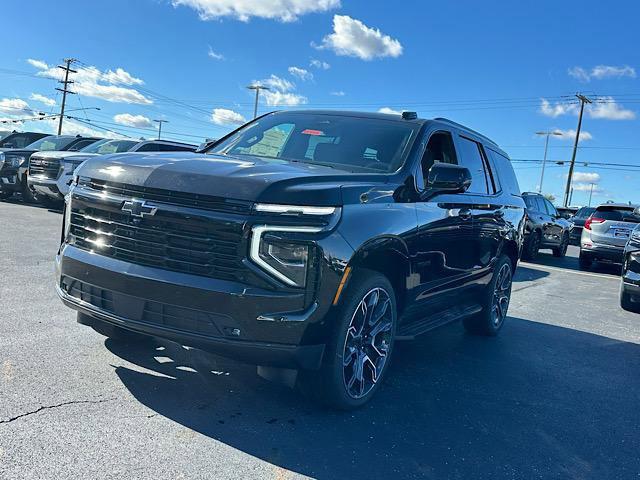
160	122
544	161
257	88
591	193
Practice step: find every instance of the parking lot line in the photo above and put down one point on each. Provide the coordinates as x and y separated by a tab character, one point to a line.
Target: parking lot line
568	270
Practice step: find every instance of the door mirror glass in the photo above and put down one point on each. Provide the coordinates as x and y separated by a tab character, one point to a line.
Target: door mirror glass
447	178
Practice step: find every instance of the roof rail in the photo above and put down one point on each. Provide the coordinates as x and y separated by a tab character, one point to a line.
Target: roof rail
459	125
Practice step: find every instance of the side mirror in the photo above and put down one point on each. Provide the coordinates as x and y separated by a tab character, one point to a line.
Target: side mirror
447	178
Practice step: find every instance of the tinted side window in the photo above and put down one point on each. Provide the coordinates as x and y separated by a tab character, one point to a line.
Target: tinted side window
148	147
81	144
540	205
439	149
503	170
531	203
471	157
176	148
551	210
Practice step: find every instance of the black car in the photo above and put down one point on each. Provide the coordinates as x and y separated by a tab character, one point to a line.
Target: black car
303	242
14	163
630	285
545	227
577	224
20	140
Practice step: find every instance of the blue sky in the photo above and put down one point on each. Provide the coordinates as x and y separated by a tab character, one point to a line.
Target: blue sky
493	69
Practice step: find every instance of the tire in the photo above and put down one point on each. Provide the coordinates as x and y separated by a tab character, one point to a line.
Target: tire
111	331
495	301
626	303
4	195
531	248
49	202
561	251
584	263
339	384
27	194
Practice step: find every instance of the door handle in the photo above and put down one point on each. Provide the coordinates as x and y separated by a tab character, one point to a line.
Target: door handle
464	213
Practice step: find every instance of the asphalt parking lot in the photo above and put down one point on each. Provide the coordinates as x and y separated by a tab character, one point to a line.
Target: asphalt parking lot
556	395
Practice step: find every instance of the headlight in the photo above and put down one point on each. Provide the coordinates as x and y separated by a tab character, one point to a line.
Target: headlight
635	236
67	217
16	162
285	260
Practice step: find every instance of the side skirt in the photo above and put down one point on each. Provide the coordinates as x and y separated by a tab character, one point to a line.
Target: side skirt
411	330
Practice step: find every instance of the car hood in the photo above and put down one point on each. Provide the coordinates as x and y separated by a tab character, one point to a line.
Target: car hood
17	151
243	178
55	154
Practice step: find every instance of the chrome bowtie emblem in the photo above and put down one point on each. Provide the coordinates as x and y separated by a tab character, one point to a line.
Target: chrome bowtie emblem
139	208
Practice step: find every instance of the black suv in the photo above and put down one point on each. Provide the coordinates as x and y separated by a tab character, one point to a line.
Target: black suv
630	286
304	242
14	163
545	227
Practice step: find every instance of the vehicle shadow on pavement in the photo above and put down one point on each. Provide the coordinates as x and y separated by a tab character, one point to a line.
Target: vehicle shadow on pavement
571	263
526	274
538	401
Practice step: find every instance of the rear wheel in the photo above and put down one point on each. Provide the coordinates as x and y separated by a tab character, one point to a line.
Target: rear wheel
111	331
531	248
561	250
584	262
627	303
495	301
359	351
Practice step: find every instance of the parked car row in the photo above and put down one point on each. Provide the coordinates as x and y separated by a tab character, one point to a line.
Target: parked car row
40	166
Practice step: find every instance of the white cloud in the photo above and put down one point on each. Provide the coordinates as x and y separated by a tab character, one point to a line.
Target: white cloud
49	102
319	64
14	106
301	73
352	38
585	187
129	120
605	108
602	71
215	55
571	135
243	10
586	177
91	82
276	98
222	116
120	77
389	111
39	64
277	83
337	93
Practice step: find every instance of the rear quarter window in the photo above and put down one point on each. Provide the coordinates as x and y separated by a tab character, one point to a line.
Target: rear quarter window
503	171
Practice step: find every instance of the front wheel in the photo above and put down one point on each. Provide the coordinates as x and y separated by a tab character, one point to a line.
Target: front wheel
561	250
627	303
5	195
495	301
27	194
531	248
359	350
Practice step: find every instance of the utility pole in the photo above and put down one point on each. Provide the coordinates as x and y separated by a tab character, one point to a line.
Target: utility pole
591	193
160	122
66	82
544	161
257	88
567	189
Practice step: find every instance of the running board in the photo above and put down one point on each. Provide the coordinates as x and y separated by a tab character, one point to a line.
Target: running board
438	319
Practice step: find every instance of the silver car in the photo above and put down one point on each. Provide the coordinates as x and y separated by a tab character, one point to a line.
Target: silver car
606	233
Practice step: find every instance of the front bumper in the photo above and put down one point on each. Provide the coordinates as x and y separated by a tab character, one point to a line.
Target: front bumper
9	179
223	317
44	186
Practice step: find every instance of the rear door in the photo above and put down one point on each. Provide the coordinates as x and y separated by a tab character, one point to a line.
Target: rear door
554	230
612	225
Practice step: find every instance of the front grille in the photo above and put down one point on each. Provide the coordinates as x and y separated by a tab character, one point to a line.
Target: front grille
44	167
181	243
191	200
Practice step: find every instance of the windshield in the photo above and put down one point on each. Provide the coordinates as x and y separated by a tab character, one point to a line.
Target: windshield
618	214
344	142
106	146
48	144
